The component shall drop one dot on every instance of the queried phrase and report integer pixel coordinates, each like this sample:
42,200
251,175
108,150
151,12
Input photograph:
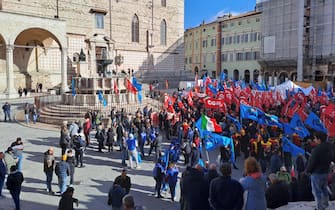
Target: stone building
50,41
298,40
230,44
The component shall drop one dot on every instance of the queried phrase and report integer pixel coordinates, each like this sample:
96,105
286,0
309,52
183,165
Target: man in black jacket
123,180
220,197
14,182
318,166
277,194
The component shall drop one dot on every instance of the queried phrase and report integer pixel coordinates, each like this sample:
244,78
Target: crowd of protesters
272,176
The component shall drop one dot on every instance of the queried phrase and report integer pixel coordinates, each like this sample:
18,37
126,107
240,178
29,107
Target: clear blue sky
198,10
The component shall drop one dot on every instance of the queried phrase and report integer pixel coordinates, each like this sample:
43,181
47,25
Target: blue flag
248,112
269,120
222,76
137,85
100,96
288,130
235,121
139,96
73,87
288,146
212,89
297,124
213,140
314,122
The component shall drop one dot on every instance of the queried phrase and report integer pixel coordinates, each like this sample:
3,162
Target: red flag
116,89
302,114
189,98
293,110
207,81
130,87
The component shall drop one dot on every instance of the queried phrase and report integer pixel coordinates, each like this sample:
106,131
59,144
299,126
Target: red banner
212,103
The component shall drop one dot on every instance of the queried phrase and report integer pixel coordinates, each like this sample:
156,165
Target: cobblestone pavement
92,182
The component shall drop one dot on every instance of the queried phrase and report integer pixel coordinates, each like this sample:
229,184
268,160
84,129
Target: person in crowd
34,113
255,183
87,129
318,165
17,147
275,162
304,188
67,200
278,193
193,189
100,136
172,178
158,174
156,145
300,164
115,195
10,159
3,172
132,151
65,139
123,180
211,174
48,168
79,146
73,128
27,113
120,134
219,197
128,203
6,111
284,175
62,170
14,183
195,155
71,162
110,139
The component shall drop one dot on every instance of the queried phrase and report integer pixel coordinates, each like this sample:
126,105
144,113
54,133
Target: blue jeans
2,181
7,115
26,116
62,181
19,163
319,189
49,180
35,118
123,155
16,197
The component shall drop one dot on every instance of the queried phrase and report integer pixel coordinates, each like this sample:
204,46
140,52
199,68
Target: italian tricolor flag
210,124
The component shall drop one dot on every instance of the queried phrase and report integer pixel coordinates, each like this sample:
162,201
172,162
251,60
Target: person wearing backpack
79,145
100,136
158,174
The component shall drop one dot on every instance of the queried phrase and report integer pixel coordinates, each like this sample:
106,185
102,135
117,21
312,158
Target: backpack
78,142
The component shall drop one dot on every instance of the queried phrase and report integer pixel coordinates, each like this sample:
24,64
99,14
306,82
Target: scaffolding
299,35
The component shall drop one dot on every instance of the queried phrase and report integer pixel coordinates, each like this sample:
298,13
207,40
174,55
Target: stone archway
3,76
196,70
236,75
255,75
247,76
37,59
282,77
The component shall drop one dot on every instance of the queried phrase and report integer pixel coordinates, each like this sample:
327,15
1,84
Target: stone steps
57,113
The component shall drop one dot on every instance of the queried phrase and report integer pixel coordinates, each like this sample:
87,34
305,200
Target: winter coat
62,169
14,181
221,198
193,190
277,195
115,195
255,187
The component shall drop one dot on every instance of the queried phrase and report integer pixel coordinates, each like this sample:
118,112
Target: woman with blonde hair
254,184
